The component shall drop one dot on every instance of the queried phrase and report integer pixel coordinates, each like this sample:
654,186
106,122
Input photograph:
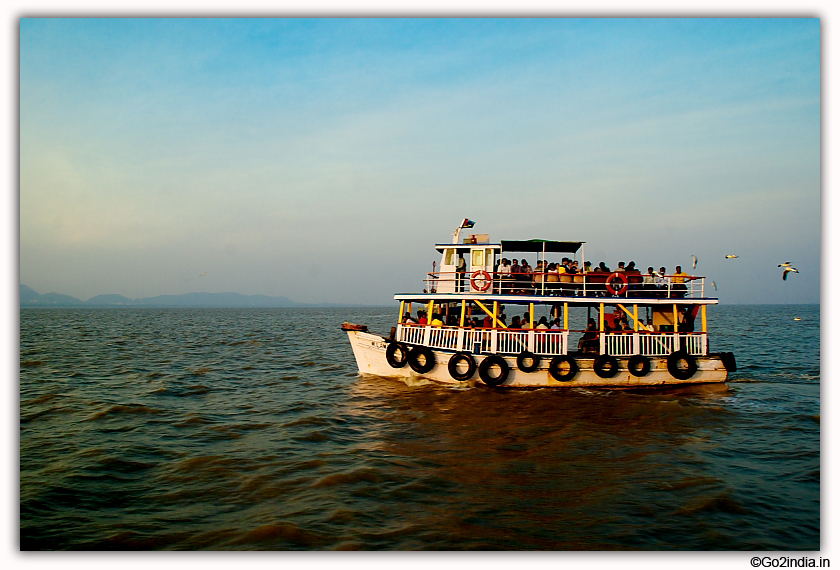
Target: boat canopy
540,245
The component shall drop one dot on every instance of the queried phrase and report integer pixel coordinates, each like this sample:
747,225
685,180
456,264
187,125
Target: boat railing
502,341
653,343
637,285
549,342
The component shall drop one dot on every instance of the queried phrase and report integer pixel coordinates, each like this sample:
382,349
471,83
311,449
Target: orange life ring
624,282
483,274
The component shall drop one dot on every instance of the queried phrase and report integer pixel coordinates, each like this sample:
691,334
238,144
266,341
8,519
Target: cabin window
448,257
478,258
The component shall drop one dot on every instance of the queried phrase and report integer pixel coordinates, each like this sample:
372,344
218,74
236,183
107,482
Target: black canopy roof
539,245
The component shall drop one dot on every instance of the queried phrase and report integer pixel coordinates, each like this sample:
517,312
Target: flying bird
730,256
202,274
789,270
714,285
785,264
694,261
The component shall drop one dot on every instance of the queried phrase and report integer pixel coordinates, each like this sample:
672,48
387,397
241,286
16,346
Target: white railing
550,342
511,342
653,344
444,338
587,285
485,340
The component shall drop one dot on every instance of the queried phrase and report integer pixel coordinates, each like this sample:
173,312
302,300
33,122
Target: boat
579,327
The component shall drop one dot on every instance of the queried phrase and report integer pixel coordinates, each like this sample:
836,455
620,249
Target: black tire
639,365
453,366
728,360
606,366
484,370
675,359
525,355
391,354
557,374
414,359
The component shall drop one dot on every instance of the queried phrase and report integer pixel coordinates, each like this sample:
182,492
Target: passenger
542,324
649,282
631,266
556,325
587,267
663,282
514,322
476,324
516,274
452,320
422,320
461,274
539,276
552,278
503,319
526,321
620,268
589,341
436,320
527,275
504,276
408,320
488,322
686,321
678,289
602,267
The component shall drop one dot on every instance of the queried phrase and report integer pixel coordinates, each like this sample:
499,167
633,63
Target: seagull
694,260
714,285
796,319
789,270
730,256
785,264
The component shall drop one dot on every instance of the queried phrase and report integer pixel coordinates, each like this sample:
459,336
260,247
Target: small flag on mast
467,223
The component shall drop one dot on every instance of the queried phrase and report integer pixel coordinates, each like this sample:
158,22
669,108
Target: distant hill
31,298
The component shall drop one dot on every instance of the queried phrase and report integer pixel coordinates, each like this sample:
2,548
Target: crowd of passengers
518,278
615,322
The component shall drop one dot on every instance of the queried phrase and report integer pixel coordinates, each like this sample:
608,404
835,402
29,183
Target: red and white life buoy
480,274
621,277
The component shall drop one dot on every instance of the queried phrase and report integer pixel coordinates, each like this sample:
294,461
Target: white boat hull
369,350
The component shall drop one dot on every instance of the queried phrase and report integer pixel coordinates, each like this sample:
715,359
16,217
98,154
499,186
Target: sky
322,159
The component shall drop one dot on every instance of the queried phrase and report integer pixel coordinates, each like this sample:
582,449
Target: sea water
189,429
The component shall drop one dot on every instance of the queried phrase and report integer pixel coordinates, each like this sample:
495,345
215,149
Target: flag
467,223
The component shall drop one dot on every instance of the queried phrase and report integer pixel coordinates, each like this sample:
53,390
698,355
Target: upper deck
472,270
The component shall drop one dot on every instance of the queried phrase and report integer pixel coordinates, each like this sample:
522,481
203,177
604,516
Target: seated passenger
620,268
542,324
514,322
589,341
408,320
422,320
436,320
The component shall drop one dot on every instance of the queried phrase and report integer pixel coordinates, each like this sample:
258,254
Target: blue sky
321,159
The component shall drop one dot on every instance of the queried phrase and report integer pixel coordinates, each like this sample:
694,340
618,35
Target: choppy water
250,429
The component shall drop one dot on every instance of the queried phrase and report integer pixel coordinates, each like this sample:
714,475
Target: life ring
728,360
677,371
639,365
525,355
391,354
484,275
621,277
557,362
606,366
414,359
453,366
484,370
